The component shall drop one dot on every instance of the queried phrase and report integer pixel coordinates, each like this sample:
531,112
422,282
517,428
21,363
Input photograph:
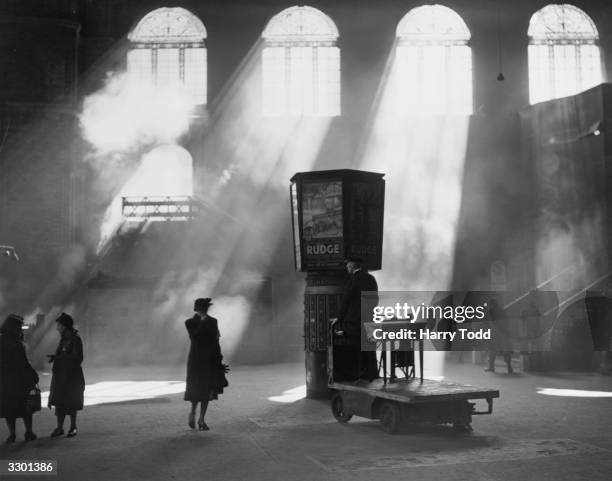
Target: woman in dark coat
205,370
68,382
17,377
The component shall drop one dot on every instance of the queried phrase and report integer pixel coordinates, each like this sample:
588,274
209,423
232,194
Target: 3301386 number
28,467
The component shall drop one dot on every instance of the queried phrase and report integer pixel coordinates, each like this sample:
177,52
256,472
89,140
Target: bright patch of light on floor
290,395
122,391
548,391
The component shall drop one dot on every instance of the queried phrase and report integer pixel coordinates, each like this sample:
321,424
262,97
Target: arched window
564,56
168,50
433,63
301,64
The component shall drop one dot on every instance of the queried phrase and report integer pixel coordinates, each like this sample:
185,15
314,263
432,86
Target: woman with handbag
205,370
67,382
17,378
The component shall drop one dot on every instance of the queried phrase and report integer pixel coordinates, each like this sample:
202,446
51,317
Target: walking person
205,370
17,378
67,382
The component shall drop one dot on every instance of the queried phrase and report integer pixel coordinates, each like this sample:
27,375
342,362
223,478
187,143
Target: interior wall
51,202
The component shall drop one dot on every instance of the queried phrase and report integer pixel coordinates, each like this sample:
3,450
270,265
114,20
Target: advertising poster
322,223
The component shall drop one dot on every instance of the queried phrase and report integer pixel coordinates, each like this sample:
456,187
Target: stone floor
544,426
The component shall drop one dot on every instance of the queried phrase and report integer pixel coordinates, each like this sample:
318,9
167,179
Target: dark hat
65,320
12,324
202,304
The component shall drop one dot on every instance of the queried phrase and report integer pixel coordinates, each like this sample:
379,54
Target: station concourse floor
262,429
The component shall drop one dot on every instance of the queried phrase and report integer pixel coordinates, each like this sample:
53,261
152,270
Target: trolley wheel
337,407
390,417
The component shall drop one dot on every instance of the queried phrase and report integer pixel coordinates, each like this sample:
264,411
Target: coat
17,377
349,314
204,365
68,382
350,361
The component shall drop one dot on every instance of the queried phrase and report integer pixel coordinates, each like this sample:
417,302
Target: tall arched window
301,64
168,50
433,63
564,56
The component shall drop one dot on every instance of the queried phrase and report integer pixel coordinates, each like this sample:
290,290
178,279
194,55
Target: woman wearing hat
67,383
17,377
204,365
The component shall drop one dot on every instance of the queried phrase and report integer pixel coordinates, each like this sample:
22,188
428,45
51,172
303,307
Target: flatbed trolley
404,400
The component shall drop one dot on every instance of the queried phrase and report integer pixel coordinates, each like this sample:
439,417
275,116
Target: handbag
33,400
223,370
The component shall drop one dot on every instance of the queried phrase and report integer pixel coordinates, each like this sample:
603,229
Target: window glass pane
433,63
460,63
140,65
300,64
329,80
590,66
168,73
301,86
195,74
540,69
564,58
274,80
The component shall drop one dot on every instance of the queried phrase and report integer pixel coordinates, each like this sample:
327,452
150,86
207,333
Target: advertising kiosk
336,214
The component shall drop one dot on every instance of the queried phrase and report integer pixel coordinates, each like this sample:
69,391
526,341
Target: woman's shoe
30,436
72,432
202,426
191,421
11,439
57,432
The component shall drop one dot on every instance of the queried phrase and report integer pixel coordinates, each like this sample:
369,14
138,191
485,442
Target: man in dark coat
205,370
351,362
500,342
17,377
67,382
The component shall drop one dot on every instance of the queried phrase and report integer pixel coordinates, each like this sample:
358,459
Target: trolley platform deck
416,391
411,398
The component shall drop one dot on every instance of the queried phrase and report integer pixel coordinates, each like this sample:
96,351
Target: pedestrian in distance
67,383
205,368
18,379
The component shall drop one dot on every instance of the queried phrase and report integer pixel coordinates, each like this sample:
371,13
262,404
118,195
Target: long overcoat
68,382
350,361
17,377
204,364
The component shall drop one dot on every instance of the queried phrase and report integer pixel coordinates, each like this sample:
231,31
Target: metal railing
169,208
